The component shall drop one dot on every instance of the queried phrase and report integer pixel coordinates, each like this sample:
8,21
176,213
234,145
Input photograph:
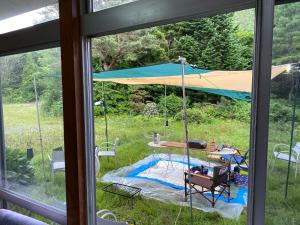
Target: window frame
123,18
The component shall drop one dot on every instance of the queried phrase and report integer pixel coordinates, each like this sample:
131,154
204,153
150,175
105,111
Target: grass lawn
134,133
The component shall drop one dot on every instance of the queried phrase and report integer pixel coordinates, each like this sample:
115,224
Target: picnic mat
161,177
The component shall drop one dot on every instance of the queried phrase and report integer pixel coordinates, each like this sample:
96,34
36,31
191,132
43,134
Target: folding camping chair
218,184
238,159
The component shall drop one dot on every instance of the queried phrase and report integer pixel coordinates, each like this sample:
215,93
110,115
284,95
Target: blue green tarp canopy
233,84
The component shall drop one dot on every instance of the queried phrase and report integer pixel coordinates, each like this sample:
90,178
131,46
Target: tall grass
134,133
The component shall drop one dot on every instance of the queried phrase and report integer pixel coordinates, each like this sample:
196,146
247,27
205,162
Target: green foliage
195,115
286,47
137,99
52,104
173,103
130,49
227,109
209,43
116,97
234,110
18,73
19,168
245,20
281,111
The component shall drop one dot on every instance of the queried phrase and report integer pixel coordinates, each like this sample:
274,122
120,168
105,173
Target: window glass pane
15,21
283,181
105,4
33,125
138,110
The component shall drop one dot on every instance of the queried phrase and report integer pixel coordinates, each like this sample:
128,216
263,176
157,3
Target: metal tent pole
296,86
105,114
166,112
39,123
184,119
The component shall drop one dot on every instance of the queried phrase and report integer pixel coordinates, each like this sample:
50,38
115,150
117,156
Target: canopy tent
234,84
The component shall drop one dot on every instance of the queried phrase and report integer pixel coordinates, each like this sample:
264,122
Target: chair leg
185,189
273,164
213,198
296,169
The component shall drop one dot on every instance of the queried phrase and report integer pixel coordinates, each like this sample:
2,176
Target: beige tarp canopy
226,80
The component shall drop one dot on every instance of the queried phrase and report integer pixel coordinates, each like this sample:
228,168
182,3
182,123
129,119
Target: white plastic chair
105,217
284,155
108,149
57,160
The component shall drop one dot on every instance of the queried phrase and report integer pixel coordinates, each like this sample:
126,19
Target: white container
156,138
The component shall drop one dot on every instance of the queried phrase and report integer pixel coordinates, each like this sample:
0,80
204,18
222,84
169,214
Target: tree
286,38
47,13
209,42
130,49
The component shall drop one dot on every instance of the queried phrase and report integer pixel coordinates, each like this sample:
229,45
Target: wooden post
73,102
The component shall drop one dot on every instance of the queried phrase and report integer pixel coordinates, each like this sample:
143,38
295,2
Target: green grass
134,133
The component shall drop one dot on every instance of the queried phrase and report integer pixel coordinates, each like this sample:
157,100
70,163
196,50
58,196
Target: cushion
8,217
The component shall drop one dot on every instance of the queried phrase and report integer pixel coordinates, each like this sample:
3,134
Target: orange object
212,145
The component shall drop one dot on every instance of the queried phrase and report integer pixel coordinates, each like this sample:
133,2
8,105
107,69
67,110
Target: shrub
19,168
234,110
174,104
52,104
228,109
281,111
150,109
195,115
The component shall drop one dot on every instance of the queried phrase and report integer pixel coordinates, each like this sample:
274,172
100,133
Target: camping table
174,144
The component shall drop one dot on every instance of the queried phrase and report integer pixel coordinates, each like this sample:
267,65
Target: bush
234,110
281,111
19,168
195,115
150,109
52,104
174,104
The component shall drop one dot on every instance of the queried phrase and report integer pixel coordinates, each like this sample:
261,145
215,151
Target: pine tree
209,42
286,42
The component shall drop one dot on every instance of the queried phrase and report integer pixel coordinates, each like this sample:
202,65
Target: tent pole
105,114
184,118
39,123
166,112
296,86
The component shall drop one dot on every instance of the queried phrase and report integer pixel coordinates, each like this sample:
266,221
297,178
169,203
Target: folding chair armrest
98,213
278,145
105,213
104,148
284,152
198,175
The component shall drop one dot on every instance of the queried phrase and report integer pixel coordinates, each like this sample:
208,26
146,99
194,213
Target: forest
223,42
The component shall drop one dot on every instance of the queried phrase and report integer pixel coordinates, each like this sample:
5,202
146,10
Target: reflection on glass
33,125
105,4
28,19
138,110
25,212
284,148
